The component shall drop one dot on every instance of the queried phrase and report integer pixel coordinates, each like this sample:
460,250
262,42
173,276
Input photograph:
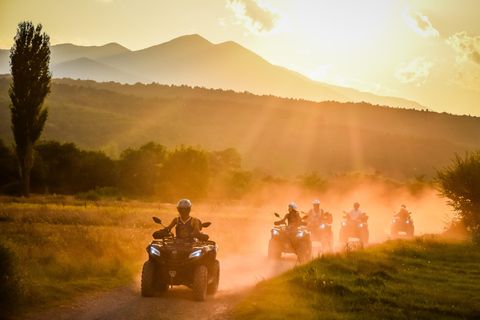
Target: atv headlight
195,254
322,226
361,225
343,223
275,232
300,234
408,221
155,251
393,220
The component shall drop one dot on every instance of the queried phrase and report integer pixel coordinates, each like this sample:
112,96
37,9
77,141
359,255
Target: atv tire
162,285
213,287
364,235
200,278
325,241
411,231
148,279
274,252
393,231
303,252
342,236
330,240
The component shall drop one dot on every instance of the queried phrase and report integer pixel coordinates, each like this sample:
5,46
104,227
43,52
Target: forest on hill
275,136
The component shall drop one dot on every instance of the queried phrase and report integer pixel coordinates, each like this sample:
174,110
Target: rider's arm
196,225
172,224
310,215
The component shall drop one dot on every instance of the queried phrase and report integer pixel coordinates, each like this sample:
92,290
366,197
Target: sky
422,50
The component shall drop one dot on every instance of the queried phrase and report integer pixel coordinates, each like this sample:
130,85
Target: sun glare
347,23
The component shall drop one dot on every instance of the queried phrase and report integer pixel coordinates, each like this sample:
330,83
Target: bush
14,289
98,194
460,183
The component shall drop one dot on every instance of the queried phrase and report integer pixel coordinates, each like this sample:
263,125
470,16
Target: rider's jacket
314,215
355,214
184,230
403,214
293,218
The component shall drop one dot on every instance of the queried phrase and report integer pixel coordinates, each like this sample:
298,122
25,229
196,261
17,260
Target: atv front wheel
364,235
302,252
325,241
330,240
162,285
342,236
393,231
148,279
200,278
411,231
213,287
274,252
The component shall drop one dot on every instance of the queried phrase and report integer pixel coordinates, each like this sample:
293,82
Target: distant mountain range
194,61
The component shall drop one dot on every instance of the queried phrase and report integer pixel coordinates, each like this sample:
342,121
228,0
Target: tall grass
420,279
64,246
55,249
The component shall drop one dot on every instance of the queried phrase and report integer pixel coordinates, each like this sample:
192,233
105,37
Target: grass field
55,248
424,278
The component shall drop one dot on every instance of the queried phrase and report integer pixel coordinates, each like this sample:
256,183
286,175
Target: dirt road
238,275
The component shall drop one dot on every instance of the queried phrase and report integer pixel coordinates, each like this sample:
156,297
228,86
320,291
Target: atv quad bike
321,230
173,261
290,239
402,224
354,229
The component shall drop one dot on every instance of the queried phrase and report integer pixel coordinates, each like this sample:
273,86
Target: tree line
152,170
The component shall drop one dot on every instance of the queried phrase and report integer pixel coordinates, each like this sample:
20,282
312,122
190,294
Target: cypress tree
29,63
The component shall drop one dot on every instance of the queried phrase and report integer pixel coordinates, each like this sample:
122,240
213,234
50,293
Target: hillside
86,69
275,135
425,278
194,61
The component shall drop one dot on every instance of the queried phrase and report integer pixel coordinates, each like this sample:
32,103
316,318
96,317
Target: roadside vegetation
426,278
55,248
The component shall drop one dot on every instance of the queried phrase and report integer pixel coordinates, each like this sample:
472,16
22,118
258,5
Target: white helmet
316,202
293,205
184,203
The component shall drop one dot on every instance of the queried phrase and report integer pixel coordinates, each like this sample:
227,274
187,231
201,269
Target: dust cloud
241,228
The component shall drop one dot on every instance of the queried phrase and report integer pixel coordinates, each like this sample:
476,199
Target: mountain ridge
193,60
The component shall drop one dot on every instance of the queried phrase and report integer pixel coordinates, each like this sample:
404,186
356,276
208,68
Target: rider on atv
293,216
187,227
320,224
316,213
403,213
355,213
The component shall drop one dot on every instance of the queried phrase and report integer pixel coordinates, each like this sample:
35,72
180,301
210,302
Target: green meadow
425,278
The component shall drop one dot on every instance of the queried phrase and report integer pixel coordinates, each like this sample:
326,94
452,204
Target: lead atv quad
173,262
354,229
290,239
